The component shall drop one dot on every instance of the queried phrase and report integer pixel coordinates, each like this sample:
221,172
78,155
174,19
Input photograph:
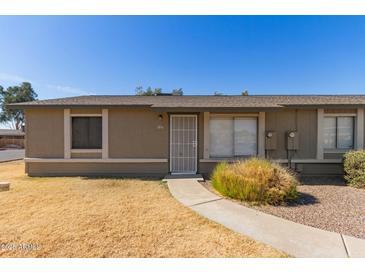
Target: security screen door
183,144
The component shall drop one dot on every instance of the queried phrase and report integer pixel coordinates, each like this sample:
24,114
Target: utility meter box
292,140
270,140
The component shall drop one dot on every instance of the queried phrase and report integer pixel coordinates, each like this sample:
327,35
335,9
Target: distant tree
244,93
139,90
156,91
15,94
148,92
218,93
178,92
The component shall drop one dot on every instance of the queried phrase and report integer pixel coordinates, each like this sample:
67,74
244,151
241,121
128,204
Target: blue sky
70,56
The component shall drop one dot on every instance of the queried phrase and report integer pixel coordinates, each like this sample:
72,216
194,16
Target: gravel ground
325,203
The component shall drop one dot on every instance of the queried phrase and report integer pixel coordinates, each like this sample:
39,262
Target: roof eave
214,109
59,106
306,106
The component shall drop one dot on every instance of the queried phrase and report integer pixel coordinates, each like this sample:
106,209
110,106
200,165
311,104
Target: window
221,137
233,136
338,132
86,133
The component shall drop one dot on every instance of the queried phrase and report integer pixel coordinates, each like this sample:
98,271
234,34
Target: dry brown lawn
91,217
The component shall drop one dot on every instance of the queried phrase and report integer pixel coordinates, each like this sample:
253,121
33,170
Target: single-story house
157,135
11,138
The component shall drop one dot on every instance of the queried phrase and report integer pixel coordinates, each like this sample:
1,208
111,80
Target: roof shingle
197,101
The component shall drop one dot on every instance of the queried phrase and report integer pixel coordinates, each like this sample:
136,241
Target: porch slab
188,191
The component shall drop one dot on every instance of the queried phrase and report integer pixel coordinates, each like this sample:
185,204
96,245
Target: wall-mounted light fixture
160,117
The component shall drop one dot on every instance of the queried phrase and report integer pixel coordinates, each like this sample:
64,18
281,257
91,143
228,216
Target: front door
183,144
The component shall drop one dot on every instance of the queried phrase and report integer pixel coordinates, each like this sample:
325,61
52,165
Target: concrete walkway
11,155
294,239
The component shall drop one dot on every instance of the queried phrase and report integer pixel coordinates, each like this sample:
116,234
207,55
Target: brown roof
201,102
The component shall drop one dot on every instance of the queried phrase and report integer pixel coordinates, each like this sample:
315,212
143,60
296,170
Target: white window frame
354,137
68,150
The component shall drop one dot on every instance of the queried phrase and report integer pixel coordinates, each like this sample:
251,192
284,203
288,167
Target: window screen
86,133
330,132
245,136
338,132
221,137
345,132
234,136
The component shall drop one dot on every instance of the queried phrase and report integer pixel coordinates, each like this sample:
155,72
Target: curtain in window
330,132
245,136
338,132
221,137
233,136
345,132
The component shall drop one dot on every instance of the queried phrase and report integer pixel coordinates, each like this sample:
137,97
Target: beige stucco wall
141,134
307,128
138,134
44,133
304,121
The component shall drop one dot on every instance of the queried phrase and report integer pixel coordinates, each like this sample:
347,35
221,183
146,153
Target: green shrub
255,180
354,167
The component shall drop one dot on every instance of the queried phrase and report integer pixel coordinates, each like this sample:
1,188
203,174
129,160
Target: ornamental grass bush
255,180
354,168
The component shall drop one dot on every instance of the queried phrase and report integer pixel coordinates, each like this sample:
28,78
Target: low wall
206,168
320,169
155,170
